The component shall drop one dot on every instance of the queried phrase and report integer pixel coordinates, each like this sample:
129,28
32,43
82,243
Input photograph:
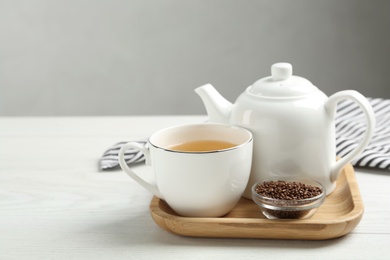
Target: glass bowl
277,200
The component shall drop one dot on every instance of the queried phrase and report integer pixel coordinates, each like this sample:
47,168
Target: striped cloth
110,160
350,127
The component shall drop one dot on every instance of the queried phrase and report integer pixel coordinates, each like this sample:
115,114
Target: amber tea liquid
202,146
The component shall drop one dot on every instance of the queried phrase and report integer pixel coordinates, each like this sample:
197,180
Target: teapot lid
282,83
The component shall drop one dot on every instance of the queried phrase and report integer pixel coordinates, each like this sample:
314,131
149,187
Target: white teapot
292,123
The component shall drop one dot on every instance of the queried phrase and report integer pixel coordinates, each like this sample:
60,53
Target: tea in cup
201,170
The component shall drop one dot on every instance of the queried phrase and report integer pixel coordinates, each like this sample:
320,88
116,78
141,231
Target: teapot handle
331,104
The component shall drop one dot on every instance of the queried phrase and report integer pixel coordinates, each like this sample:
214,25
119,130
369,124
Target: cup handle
370,119
152,188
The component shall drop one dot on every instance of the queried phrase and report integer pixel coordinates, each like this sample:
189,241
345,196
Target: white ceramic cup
196,184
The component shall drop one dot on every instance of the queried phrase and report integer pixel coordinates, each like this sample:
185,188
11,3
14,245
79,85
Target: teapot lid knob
282,84
281,71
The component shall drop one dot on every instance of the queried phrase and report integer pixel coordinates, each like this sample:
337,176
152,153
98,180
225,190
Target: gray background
112,57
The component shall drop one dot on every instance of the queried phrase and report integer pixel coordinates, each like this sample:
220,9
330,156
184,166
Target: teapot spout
217,107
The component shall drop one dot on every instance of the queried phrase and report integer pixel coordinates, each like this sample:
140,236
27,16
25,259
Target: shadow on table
367,170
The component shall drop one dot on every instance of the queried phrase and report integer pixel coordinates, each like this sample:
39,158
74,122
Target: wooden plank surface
55,204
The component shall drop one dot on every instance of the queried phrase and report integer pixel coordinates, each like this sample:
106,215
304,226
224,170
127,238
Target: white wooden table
56,204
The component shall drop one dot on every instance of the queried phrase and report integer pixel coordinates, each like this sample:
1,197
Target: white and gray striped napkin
110,160
350,127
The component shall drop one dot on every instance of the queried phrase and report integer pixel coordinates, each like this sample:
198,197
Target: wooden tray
340,214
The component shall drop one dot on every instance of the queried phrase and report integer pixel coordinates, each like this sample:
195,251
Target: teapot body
293,126
292,137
